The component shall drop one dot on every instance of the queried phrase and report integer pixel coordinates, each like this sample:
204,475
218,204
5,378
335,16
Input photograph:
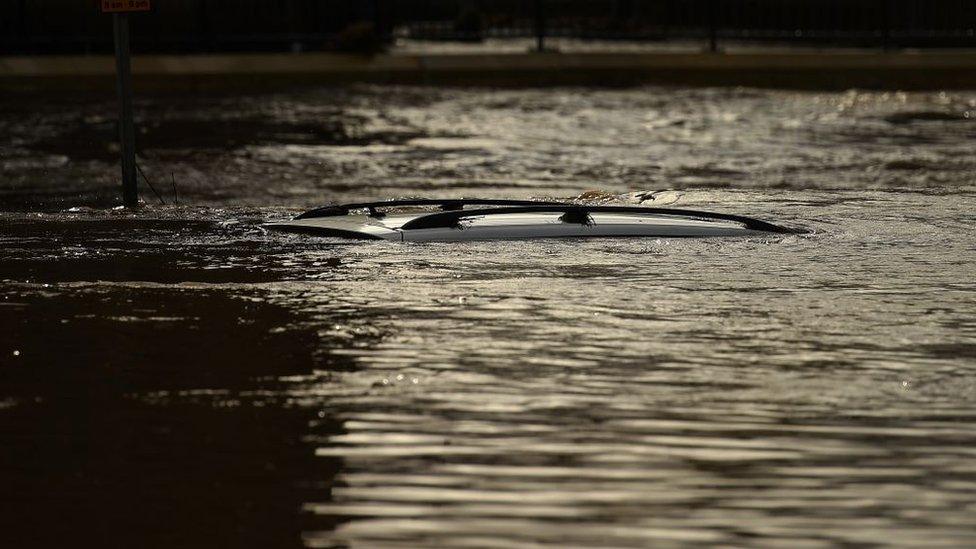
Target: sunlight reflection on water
809,390
801,389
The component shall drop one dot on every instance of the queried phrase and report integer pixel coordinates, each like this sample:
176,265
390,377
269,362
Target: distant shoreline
942,69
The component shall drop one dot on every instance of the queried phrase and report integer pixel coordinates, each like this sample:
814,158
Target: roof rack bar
452,218
446,204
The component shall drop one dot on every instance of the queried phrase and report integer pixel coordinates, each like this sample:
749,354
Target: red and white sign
124,6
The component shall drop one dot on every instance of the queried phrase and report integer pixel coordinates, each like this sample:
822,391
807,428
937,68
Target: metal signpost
120,10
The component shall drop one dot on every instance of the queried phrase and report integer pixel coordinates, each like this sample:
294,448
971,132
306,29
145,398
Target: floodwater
177,377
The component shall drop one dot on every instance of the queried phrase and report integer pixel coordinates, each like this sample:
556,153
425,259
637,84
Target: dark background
187,26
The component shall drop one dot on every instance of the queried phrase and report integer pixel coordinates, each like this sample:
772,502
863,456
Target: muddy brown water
177,377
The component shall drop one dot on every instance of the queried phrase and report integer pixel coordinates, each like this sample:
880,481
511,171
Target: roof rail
579,213
447,204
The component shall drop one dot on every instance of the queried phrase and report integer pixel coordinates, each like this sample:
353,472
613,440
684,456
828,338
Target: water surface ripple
178,377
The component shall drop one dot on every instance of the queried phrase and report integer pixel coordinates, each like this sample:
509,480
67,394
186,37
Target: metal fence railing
73,26
864,23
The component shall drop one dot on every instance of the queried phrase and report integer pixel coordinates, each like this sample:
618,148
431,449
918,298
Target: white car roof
516,219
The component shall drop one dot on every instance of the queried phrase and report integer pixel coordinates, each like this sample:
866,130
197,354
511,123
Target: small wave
910,117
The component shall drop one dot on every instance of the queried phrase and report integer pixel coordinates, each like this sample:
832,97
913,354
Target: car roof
496,218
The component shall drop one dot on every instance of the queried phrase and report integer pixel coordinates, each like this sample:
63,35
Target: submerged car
486,219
